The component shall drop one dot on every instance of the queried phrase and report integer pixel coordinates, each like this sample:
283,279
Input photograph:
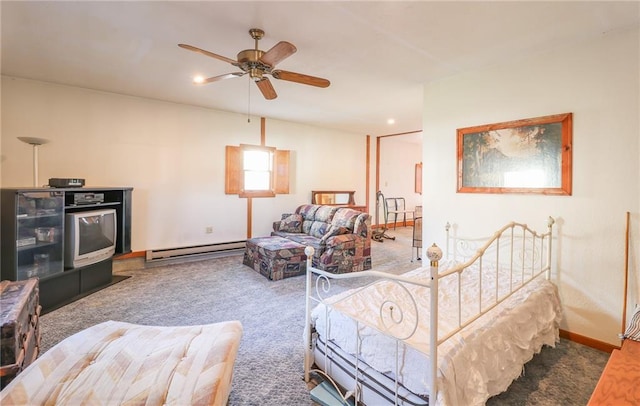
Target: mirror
333,197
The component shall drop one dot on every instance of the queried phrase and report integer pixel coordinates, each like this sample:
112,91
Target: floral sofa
339,235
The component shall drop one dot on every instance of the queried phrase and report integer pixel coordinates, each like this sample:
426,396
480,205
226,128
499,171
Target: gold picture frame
524,156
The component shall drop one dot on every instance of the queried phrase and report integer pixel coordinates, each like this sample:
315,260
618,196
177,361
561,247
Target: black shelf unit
32,239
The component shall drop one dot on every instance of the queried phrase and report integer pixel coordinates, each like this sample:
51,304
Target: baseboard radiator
196,252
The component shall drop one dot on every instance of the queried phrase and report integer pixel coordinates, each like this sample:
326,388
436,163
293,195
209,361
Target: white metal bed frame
538,253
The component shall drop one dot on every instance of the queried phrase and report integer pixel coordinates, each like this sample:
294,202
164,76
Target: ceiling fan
258,63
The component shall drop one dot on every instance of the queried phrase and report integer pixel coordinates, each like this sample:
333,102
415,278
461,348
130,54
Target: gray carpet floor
269,368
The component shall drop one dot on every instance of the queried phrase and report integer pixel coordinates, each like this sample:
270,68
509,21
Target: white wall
597,81
398,157
171,154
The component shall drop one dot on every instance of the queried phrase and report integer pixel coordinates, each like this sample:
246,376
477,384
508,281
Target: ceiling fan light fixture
198,79
256,74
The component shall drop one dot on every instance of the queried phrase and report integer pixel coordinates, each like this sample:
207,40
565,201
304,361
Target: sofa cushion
308,211
305,240
291,224
346,218
318,229
325,213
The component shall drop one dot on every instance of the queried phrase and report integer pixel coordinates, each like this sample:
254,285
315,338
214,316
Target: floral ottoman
275,257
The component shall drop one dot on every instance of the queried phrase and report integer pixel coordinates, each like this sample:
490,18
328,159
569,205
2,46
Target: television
90,237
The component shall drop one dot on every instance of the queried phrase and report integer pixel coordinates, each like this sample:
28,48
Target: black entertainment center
36,238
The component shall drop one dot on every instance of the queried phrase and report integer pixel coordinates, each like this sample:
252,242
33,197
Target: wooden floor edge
390,226
589,342
132,254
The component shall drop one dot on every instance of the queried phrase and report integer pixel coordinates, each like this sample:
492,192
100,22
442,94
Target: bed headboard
518,244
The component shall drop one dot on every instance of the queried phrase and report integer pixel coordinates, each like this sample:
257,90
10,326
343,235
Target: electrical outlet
208,230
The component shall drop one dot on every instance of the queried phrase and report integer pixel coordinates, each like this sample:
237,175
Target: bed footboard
426,316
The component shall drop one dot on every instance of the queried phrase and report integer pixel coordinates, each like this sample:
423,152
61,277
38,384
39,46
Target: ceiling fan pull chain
249,101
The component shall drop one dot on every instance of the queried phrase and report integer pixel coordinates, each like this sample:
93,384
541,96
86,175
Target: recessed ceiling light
198,79
391,121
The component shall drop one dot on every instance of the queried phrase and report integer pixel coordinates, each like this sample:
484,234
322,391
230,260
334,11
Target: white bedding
118,363
476,363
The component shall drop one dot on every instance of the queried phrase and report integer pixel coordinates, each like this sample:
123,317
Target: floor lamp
35,142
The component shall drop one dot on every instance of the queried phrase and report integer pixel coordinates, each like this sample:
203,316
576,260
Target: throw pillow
633,328
291,224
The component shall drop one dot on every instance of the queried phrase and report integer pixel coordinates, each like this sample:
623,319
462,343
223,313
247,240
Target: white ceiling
377,55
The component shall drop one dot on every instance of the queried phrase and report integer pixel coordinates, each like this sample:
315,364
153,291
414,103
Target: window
256,171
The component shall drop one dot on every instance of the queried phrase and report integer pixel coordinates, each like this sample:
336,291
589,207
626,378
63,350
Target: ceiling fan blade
220,77
207,53
277,53
266,88
300,78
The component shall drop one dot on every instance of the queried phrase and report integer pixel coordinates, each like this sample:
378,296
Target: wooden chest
19,328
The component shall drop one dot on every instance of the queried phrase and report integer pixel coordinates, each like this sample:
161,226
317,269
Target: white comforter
476,363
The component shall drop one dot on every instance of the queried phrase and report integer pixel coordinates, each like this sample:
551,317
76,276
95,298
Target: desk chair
396,207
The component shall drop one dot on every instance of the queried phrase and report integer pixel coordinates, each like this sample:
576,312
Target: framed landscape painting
524,156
